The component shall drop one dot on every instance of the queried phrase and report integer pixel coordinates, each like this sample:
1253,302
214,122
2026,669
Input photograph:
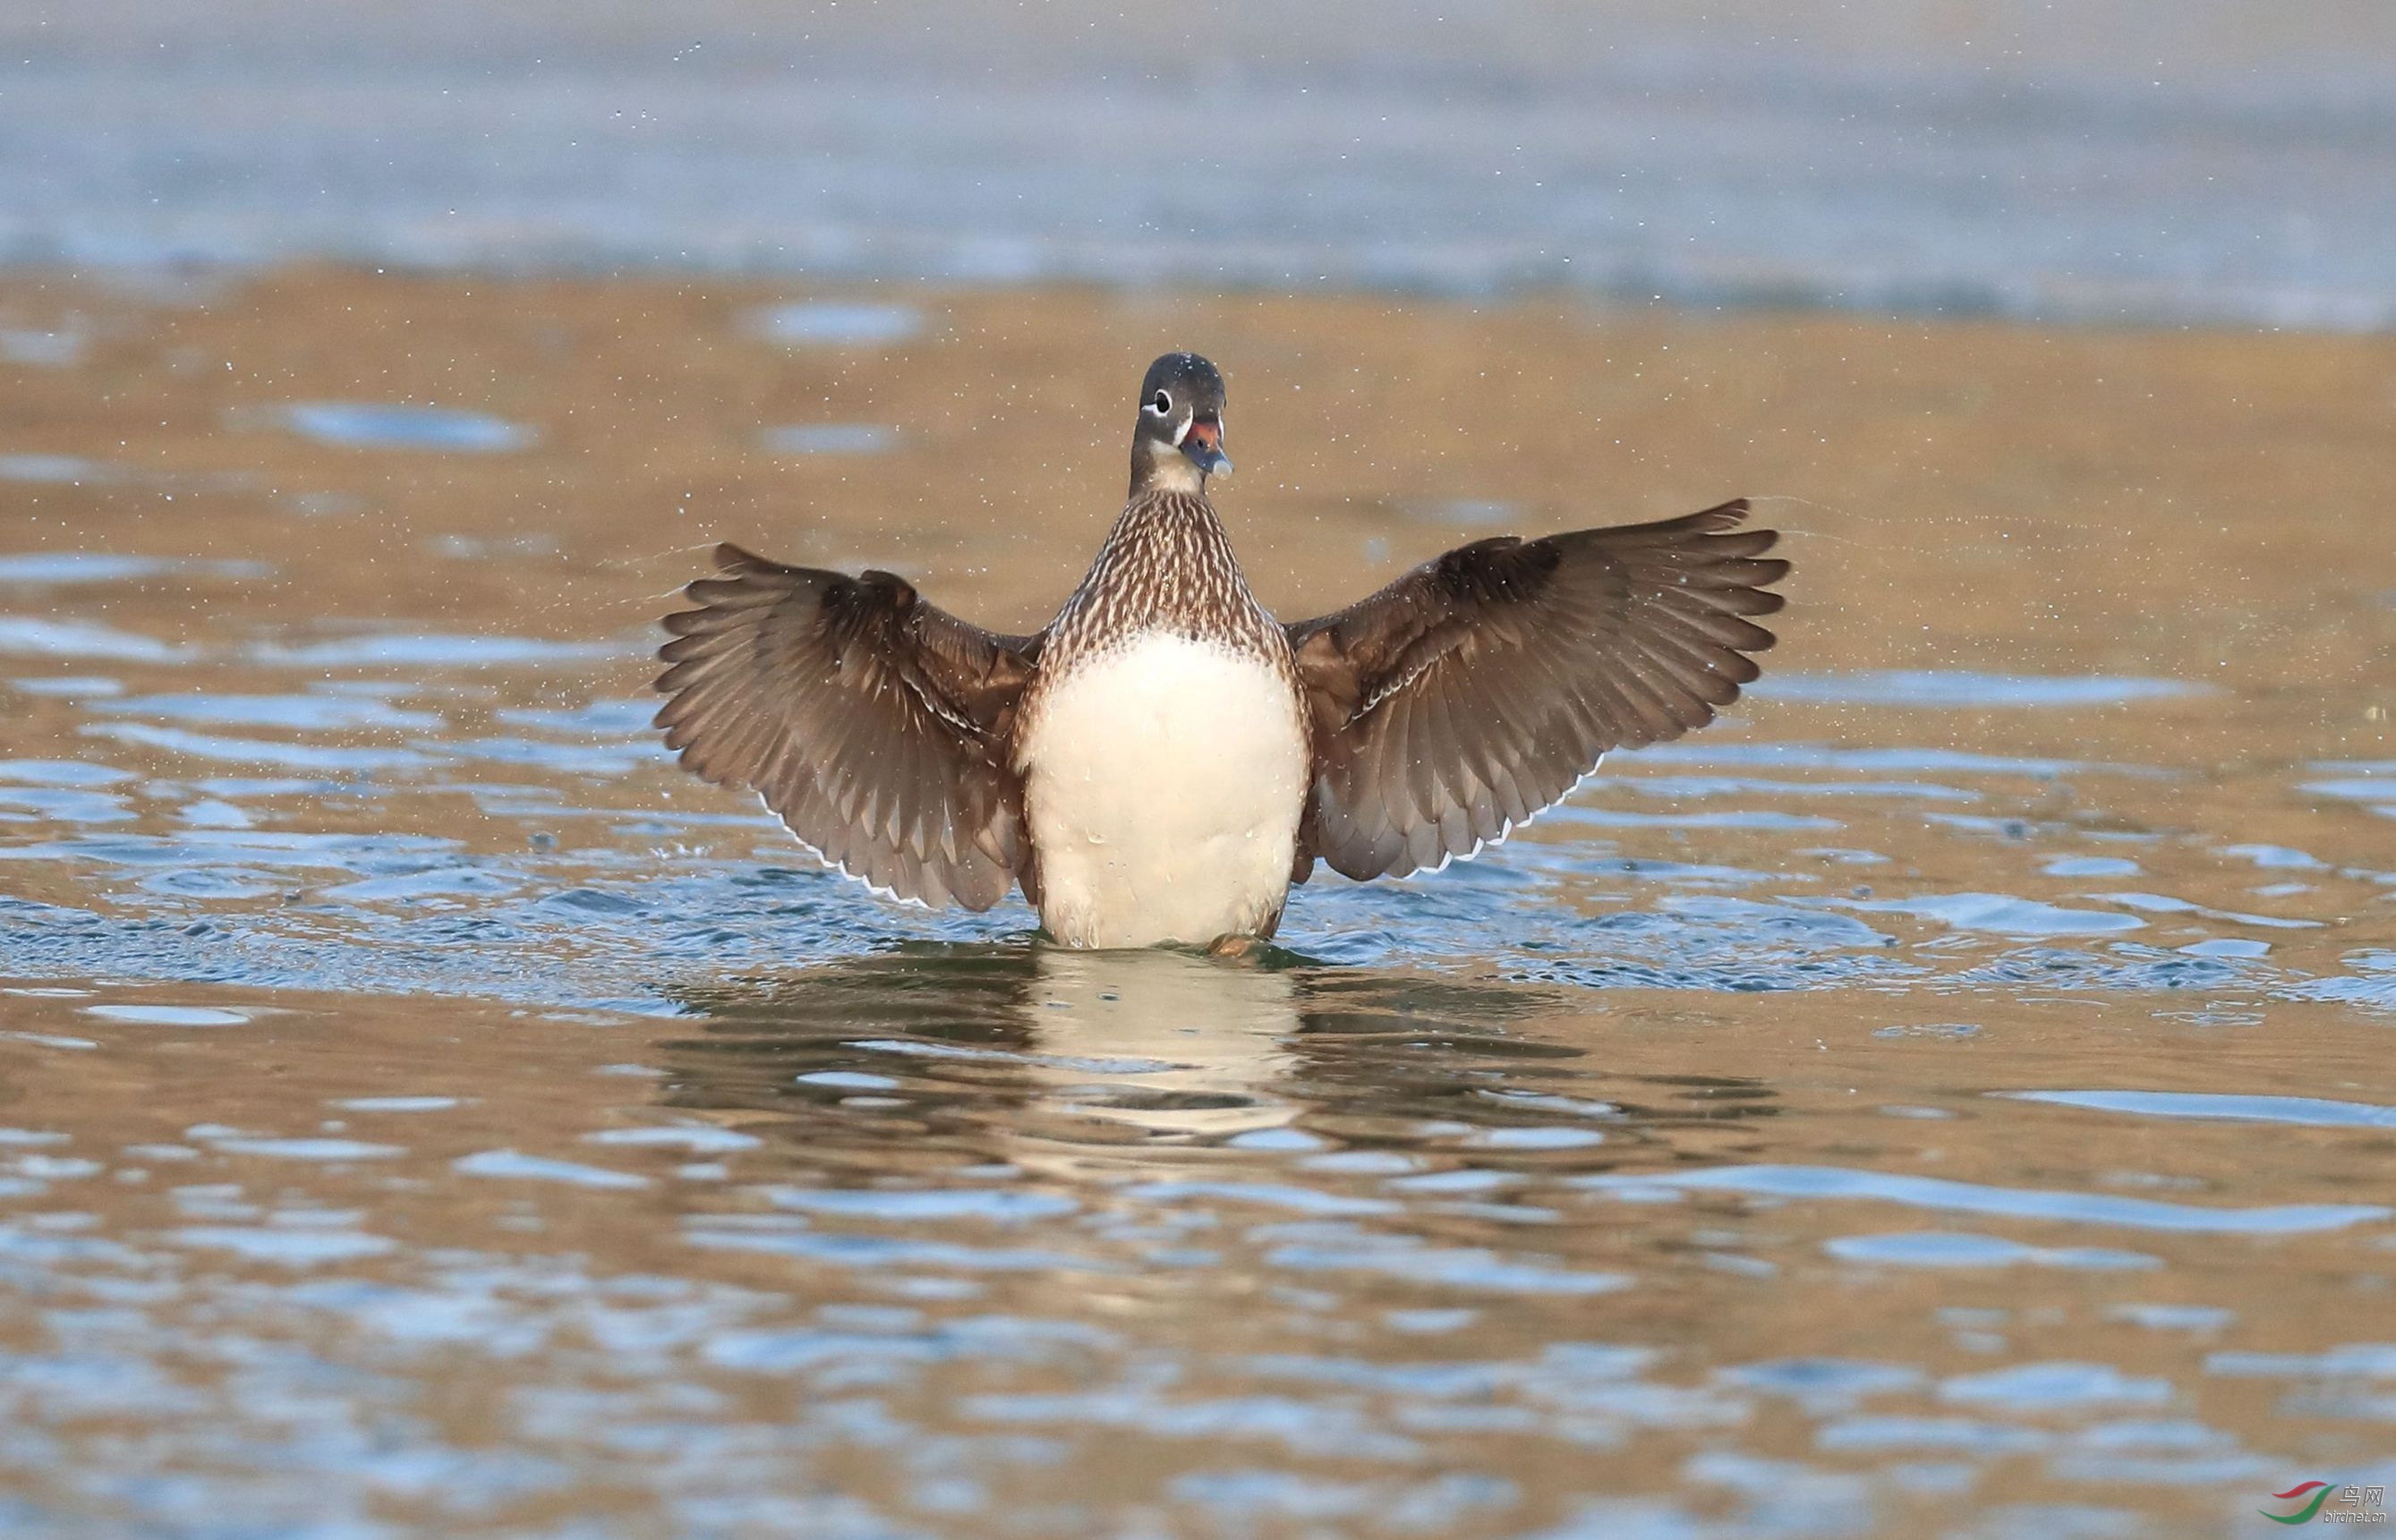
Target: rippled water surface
1954,1096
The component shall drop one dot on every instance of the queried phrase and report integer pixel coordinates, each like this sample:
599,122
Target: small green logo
2305,1499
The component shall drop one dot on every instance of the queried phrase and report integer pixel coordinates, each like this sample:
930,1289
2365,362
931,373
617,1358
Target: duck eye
1160,403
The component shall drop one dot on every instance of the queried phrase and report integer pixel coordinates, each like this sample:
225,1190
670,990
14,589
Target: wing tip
1723,518
1714,528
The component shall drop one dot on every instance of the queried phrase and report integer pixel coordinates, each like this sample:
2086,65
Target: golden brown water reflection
1951,1098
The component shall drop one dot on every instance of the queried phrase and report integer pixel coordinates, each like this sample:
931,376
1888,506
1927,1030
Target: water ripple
2308,1111
1931,1192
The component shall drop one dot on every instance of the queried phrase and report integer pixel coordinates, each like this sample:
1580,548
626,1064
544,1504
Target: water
358,425
1950,1097
1987,157
980,1284
826,438
830,324
1963,689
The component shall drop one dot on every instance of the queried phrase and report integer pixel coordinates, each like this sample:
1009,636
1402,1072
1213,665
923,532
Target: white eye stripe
1159,403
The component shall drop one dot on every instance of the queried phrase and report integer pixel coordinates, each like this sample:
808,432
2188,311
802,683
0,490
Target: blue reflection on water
1931,1192
2310,1111
364,425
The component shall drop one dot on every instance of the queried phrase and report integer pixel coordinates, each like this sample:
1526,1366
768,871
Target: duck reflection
1163,1042
1098,1065
1065,1062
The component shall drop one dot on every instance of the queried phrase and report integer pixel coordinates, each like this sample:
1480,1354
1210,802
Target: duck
1164,760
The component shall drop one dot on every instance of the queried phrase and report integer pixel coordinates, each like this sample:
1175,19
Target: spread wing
874,723
1481,686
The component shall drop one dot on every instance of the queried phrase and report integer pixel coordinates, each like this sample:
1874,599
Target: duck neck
1167,563
1159,466
1168,525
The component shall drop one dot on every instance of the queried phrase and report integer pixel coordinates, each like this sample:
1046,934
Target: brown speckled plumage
1168,565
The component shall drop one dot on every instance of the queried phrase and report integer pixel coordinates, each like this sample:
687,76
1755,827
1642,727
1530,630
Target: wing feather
873,724
1481,686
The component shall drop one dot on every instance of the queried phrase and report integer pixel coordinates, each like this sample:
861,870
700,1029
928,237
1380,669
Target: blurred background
1947,1096
2089,164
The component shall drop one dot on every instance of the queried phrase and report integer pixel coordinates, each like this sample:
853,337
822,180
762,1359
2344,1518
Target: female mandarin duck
1165,759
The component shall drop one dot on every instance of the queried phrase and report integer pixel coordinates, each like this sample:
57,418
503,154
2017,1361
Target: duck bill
1203,444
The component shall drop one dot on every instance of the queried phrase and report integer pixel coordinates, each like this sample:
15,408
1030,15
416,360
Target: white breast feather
1163,782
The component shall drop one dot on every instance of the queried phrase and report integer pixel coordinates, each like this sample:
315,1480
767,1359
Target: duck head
1178,439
